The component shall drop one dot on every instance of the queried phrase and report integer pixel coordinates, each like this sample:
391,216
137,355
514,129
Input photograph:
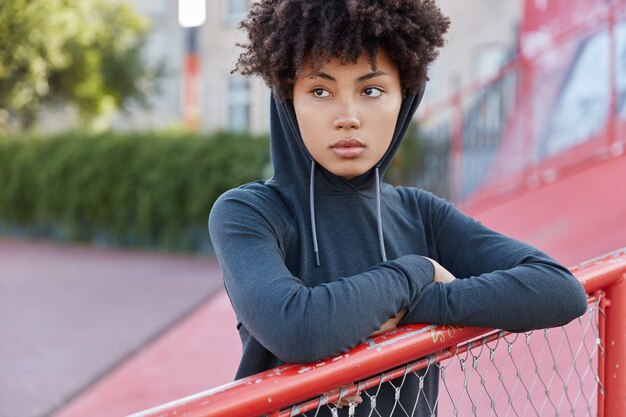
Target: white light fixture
191,13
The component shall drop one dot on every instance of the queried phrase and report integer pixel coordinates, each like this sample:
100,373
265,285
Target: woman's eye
372,92
320,92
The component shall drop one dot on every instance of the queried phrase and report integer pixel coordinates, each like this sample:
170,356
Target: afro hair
282,34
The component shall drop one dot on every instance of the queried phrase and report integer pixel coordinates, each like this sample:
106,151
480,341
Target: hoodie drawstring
312,210
379,221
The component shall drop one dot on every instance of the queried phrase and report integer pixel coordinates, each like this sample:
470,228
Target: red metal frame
268,392
559,202
601,354
603,146
615,350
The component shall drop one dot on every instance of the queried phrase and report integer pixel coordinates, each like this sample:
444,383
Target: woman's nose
347,117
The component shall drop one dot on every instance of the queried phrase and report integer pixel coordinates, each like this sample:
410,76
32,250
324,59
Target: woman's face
347,113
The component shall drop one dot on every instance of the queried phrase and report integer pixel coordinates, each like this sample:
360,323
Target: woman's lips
348,148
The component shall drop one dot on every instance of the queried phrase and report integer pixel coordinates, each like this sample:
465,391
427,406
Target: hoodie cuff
419,272
429,307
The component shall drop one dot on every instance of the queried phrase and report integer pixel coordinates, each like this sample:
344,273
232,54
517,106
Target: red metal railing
275,392
496,128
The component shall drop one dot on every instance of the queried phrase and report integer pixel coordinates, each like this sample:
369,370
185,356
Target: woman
325,254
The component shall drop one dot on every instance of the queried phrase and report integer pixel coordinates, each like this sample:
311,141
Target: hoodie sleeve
295,322
501,282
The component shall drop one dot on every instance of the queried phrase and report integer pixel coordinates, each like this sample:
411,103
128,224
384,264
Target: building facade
165,45
482,35
228,101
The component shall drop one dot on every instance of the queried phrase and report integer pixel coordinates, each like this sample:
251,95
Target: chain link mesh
552,372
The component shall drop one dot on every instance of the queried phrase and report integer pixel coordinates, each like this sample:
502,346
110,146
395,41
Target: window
238,103
234,10
583,105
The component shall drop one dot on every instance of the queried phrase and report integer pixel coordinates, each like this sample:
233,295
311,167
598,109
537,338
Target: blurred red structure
538,151
191,80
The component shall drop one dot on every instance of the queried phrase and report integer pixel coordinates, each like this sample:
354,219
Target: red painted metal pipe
615,348
601,353
601,272
289,384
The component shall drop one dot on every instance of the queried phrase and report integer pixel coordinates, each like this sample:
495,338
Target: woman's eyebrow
368,76
320,74
371,75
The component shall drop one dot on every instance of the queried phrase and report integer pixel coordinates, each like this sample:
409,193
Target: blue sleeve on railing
503,283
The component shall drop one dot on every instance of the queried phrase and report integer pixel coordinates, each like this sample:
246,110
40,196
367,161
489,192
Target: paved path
74,320
199,353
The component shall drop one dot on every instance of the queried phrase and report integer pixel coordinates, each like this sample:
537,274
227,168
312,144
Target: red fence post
615,347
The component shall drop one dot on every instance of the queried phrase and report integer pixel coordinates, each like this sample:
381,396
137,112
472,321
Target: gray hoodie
314,264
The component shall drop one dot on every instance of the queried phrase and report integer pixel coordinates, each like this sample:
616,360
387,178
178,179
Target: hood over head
291,160
295,167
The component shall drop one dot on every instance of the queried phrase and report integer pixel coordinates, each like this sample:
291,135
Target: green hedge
150,190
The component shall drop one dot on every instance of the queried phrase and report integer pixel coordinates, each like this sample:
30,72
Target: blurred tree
86,53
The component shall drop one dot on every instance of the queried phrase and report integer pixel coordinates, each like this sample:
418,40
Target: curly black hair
283,33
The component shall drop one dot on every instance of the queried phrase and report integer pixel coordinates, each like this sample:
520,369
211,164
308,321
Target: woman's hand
392,323
441,274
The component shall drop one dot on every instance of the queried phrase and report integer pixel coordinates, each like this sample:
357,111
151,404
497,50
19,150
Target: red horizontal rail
292,383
